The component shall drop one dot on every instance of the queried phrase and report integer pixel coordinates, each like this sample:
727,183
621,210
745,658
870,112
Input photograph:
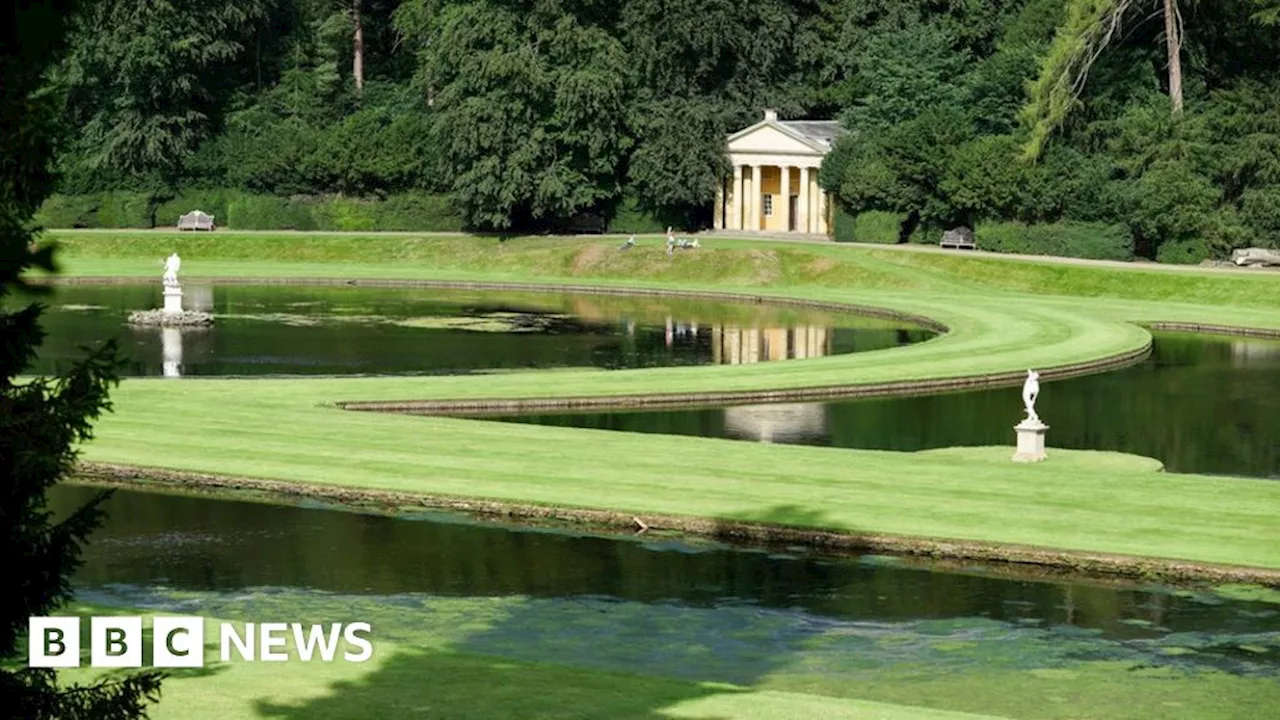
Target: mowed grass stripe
1003,316
855,491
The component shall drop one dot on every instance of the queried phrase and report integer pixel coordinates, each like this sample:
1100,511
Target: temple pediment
767,137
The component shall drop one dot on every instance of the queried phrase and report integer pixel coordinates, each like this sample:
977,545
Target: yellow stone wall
771,184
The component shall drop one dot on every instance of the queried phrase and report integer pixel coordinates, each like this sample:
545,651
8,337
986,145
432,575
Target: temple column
754,205
785,192
735,201
815,191
802,205
717,212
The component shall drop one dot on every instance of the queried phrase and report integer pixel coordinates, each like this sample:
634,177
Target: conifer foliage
41,419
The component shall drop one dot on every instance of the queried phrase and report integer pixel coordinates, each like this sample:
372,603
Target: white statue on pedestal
172,314
172,290
1030,431
1030,391
171,267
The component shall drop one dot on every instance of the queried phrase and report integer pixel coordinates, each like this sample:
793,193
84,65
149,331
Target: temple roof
815,135
819,131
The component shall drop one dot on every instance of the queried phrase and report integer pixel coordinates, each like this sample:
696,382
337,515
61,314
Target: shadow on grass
440,685
793,516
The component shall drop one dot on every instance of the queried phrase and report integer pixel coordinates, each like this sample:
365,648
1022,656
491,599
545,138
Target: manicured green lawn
1003,317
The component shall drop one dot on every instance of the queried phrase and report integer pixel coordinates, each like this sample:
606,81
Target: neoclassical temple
774,186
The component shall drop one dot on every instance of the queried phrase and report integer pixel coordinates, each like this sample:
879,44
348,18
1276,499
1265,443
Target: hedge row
867,227
243,211
106,210
421,212
1095,241
416,212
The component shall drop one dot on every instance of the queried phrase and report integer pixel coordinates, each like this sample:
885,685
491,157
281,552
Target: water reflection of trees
295,330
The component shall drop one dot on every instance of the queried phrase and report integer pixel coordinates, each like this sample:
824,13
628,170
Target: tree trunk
357,56
1173,41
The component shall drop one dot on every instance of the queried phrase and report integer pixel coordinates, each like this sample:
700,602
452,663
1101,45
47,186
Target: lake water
868,627
297,330
1199,403
667,607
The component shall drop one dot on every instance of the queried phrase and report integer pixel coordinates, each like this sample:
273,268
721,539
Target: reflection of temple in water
788,422
1254,352
732,345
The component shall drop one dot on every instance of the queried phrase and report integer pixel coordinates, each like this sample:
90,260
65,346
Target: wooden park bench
195,220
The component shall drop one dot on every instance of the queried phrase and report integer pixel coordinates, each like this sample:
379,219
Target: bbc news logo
178,642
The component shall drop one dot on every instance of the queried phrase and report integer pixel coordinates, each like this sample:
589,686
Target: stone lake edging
1266,333
1104,565
462,408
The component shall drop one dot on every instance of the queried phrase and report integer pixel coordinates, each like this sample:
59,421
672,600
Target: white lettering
179,642
53,642
268,639
316,637
115,642
353,638
243,645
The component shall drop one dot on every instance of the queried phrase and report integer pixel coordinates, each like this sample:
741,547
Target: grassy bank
1003,317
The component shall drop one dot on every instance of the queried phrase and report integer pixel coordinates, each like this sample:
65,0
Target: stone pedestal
1030,441
172,299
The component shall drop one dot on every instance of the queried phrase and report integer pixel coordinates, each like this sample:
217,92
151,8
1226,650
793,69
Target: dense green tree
142,77
902,168
905,73
41,419
530,108
1091,26
679,157
532,112
924,139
